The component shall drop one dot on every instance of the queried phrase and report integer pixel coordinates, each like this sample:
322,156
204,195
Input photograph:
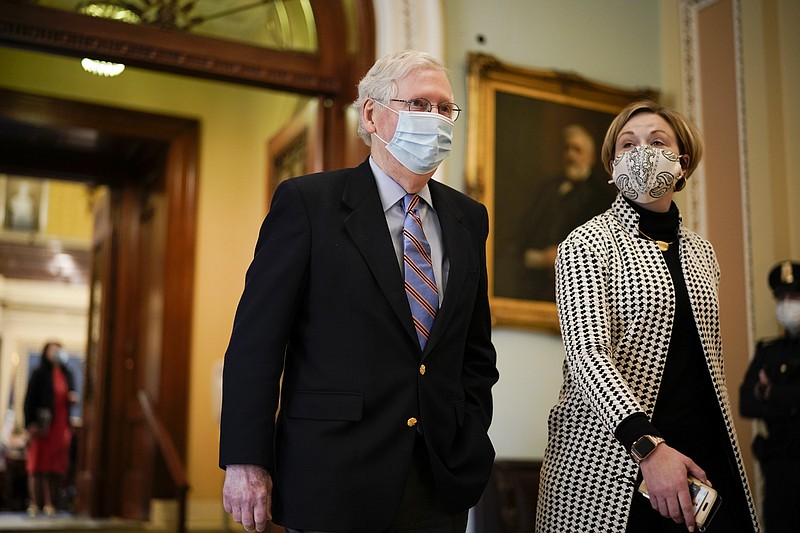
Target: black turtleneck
686,396
687,413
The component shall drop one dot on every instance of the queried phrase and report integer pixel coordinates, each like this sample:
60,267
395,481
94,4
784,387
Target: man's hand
247,495
665,472
540,257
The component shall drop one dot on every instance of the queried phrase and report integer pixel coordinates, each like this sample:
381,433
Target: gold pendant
663,246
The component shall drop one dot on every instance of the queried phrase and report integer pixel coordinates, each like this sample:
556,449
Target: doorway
182,74
141,279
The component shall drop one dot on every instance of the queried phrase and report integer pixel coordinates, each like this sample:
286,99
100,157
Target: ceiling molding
49,30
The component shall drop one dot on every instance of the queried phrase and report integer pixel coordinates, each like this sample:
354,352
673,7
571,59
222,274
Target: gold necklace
662,245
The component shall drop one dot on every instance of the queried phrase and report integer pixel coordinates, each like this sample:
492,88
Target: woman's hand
665,472
33,430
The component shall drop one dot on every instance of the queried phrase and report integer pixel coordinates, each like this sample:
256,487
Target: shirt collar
390,191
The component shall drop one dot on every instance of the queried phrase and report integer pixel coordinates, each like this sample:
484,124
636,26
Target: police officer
771,392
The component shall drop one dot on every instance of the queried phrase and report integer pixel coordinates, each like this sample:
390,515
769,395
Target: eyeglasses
448,109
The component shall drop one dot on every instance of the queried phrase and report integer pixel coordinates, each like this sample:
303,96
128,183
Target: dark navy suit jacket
324,325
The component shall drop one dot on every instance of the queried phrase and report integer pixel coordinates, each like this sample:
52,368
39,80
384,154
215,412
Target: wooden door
145,271
89,470
126,332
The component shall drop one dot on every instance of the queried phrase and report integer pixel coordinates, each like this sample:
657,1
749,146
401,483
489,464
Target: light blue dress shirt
392,194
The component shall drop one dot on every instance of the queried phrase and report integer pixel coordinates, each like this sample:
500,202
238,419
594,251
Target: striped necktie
423,296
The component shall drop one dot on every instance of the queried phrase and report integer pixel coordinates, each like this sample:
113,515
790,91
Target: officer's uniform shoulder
769,342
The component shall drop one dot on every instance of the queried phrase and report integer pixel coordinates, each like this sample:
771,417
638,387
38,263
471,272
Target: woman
51,390
644,393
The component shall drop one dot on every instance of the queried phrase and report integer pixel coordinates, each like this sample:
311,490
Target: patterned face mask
645,174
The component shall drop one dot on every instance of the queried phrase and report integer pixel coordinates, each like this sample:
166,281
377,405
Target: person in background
365,317
644,394
771,392
561,204
51,391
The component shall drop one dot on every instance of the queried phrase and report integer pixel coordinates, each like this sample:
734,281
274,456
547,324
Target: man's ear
367,113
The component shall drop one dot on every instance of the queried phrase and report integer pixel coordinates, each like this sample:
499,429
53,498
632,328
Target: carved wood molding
43,29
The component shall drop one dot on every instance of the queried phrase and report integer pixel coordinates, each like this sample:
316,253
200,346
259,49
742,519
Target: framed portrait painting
23,204
534,140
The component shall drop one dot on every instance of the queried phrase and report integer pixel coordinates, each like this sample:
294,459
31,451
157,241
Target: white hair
379,83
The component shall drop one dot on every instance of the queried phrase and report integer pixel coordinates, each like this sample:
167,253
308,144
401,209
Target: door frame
331,73
171,160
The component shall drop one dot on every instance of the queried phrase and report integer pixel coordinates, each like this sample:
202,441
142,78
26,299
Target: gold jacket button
412,422
422,370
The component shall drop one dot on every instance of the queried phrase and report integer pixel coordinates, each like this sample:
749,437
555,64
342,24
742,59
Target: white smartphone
705,499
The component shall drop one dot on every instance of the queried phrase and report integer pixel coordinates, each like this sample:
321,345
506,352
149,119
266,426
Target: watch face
643,447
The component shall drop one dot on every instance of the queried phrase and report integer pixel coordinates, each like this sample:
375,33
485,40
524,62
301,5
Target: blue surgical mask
421,140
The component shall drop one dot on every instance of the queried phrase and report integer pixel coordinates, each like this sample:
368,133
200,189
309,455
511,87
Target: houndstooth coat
616,307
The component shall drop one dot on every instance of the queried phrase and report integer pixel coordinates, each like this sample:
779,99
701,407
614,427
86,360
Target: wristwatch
644,446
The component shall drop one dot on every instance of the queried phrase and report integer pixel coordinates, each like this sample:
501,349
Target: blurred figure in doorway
51,391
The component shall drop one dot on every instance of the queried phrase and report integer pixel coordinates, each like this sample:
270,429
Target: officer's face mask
788,314
421,139
645,173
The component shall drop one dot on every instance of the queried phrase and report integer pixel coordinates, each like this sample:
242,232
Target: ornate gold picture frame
518,117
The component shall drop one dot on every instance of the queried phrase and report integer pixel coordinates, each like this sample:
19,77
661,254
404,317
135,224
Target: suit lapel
366,225
456,243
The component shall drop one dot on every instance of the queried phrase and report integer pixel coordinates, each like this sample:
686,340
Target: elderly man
365,325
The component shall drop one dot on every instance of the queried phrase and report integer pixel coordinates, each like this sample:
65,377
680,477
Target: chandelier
166,14
120,11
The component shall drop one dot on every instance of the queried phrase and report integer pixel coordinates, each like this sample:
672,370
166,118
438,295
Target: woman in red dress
51,390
